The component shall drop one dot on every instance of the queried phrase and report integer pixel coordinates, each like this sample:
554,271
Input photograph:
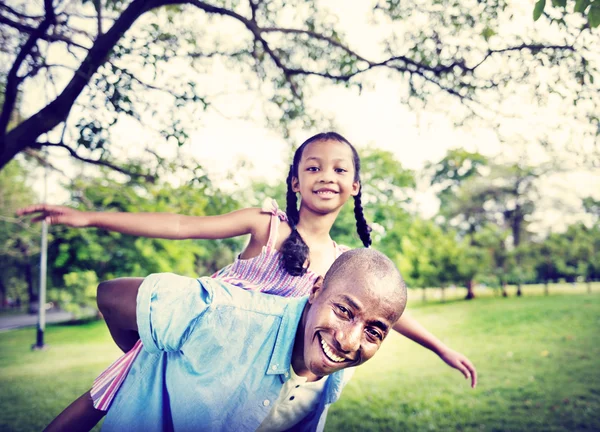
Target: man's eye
374,334
343,310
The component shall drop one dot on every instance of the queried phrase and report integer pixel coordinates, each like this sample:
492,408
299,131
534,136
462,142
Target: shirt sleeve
168,307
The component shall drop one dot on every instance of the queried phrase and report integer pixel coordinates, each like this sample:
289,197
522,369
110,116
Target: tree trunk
470,292
504,293
589,287
443,294
546,292
424,298
519,292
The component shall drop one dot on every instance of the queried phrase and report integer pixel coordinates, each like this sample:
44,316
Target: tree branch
47,37
147,177
18,14
12,79
26,133
98,6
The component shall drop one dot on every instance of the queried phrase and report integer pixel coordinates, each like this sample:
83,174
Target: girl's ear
355,188
316,290
295,184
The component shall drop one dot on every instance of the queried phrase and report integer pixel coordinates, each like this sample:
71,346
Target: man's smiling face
347,320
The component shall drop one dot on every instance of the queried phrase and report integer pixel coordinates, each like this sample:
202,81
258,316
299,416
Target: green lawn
537,359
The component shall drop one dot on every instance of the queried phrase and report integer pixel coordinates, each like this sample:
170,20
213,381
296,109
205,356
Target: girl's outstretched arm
409,327
155,225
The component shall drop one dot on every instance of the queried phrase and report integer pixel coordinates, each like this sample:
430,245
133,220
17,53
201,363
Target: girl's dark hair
294,251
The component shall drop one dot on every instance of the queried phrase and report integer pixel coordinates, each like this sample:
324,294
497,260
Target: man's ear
355,188
316,290
295,184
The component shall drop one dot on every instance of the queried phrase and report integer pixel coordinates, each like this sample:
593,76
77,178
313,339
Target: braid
291,207
362,227
294,251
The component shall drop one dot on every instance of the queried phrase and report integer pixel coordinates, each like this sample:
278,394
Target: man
220,358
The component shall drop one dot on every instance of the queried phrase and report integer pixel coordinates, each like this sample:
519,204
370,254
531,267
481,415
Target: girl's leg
80,416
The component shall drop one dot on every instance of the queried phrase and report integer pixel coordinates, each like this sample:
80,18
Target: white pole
39,344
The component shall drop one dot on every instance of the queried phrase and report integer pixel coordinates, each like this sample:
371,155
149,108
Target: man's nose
349,337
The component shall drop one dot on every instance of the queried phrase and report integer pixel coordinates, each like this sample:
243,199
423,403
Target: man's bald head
368,265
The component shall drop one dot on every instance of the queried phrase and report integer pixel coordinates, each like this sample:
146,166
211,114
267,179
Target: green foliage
587,8
19,242
77,294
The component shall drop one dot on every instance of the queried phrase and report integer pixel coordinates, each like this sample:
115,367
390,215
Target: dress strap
340,249
269,205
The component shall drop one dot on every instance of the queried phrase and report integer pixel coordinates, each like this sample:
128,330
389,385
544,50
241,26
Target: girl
280,259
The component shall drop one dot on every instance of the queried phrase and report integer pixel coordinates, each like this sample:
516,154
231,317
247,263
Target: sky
376,117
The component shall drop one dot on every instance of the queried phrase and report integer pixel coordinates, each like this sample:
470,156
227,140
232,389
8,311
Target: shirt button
274,367
266,402
298,386
293,397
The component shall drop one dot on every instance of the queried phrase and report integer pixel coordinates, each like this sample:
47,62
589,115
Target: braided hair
294,250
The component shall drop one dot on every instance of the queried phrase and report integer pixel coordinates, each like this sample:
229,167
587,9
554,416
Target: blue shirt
215,359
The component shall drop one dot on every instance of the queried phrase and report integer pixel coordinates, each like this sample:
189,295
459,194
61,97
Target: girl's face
326,176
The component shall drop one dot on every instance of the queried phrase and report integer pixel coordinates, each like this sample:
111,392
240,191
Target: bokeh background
477,123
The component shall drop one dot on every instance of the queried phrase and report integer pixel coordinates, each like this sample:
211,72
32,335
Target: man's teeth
330,354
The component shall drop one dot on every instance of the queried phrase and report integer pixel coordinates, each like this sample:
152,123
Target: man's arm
117,302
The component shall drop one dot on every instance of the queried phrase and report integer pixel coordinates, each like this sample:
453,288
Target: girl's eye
341,170
312,169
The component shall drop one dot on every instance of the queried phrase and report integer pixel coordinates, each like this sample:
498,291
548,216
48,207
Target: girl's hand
458,361
54,214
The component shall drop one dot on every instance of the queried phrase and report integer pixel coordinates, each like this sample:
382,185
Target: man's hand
56,215
458,361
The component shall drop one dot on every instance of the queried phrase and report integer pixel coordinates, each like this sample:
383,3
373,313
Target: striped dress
263,273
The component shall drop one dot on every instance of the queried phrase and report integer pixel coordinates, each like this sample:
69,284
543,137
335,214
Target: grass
37,385
537,359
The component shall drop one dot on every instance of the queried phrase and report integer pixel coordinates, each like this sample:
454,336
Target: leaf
559,3
539,8
581,5
487,33
594,15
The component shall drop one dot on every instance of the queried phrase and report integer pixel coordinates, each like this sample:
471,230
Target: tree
113,56
19,242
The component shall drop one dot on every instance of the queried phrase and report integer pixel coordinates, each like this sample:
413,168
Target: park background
477,124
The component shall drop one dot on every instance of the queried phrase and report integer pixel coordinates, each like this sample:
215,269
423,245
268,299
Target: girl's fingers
472,372
36,208
464,370
39,218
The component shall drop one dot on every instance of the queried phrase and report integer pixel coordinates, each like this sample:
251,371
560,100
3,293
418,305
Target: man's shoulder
226,294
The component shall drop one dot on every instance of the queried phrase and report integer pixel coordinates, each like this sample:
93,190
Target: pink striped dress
263,273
